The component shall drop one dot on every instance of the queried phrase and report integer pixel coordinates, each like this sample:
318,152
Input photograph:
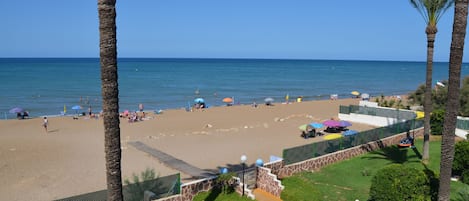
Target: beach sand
69,160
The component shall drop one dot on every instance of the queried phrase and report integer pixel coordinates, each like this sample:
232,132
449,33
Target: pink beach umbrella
331,123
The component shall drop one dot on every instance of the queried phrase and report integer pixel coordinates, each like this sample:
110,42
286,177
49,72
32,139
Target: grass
217,195
351,179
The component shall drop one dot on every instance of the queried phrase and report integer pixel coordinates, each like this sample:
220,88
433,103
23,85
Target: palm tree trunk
110,94
452,105
431,33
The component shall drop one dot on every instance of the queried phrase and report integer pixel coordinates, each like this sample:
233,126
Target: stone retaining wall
189,190
268,182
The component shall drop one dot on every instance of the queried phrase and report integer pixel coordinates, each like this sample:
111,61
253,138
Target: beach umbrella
303,127
355,93
268,100
16,110
199,100
76,107
365,96
344,123
316,125
331,123
227,100
350,132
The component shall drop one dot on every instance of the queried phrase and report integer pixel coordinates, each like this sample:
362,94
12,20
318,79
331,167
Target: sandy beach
68,160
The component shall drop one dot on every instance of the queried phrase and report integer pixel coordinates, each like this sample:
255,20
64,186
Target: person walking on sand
45,123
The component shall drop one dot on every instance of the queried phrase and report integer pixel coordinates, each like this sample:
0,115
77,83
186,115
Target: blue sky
301,29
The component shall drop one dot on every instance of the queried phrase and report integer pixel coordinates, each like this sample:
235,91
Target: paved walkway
171,161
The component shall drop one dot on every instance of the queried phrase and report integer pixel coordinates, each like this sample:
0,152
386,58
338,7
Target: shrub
463,194
461,160
398,182
225,182
436,122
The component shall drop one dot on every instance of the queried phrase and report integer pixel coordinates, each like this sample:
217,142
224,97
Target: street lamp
243,162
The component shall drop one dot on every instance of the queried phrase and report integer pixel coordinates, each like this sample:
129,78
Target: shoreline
7,116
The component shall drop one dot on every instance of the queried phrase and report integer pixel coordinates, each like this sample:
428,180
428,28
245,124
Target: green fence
305,152
162,187
373,111
462,124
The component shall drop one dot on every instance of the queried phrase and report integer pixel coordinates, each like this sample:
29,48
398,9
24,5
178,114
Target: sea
47,86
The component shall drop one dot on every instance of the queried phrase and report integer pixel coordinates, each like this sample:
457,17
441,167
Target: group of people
23,115
199,106
135,116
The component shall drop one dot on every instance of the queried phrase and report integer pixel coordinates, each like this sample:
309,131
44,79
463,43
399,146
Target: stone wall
319,162
189,190
275,166
268,182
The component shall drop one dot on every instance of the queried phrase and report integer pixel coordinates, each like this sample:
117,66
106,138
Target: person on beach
140,107
89,111
45,123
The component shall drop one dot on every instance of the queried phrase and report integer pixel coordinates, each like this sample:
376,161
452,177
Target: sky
270,29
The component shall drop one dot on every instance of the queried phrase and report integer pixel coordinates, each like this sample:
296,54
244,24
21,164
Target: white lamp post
243,163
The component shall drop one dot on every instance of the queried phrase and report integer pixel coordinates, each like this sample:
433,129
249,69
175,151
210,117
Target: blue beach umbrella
199,100
76,108
316,125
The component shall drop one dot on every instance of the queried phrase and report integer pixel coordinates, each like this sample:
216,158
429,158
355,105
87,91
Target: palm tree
431,11
452,105
110,94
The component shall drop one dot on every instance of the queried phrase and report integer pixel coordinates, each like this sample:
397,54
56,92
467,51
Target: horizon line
220,58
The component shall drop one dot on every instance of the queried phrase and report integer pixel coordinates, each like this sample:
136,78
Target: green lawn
351,179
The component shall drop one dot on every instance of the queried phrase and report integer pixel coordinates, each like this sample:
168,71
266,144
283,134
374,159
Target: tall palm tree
110,94
431,11
452,105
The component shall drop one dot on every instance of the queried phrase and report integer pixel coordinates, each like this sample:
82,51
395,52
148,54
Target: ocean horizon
43,86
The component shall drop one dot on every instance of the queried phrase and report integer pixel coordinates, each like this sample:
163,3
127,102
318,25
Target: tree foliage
398,182
461,160
436,121
439,97
464,98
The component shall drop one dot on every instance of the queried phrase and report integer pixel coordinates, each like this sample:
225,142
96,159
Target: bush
436,122
225,182
463,194
398,182
461,160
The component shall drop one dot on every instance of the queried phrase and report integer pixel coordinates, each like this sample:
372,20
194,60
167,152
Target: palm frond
432,10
